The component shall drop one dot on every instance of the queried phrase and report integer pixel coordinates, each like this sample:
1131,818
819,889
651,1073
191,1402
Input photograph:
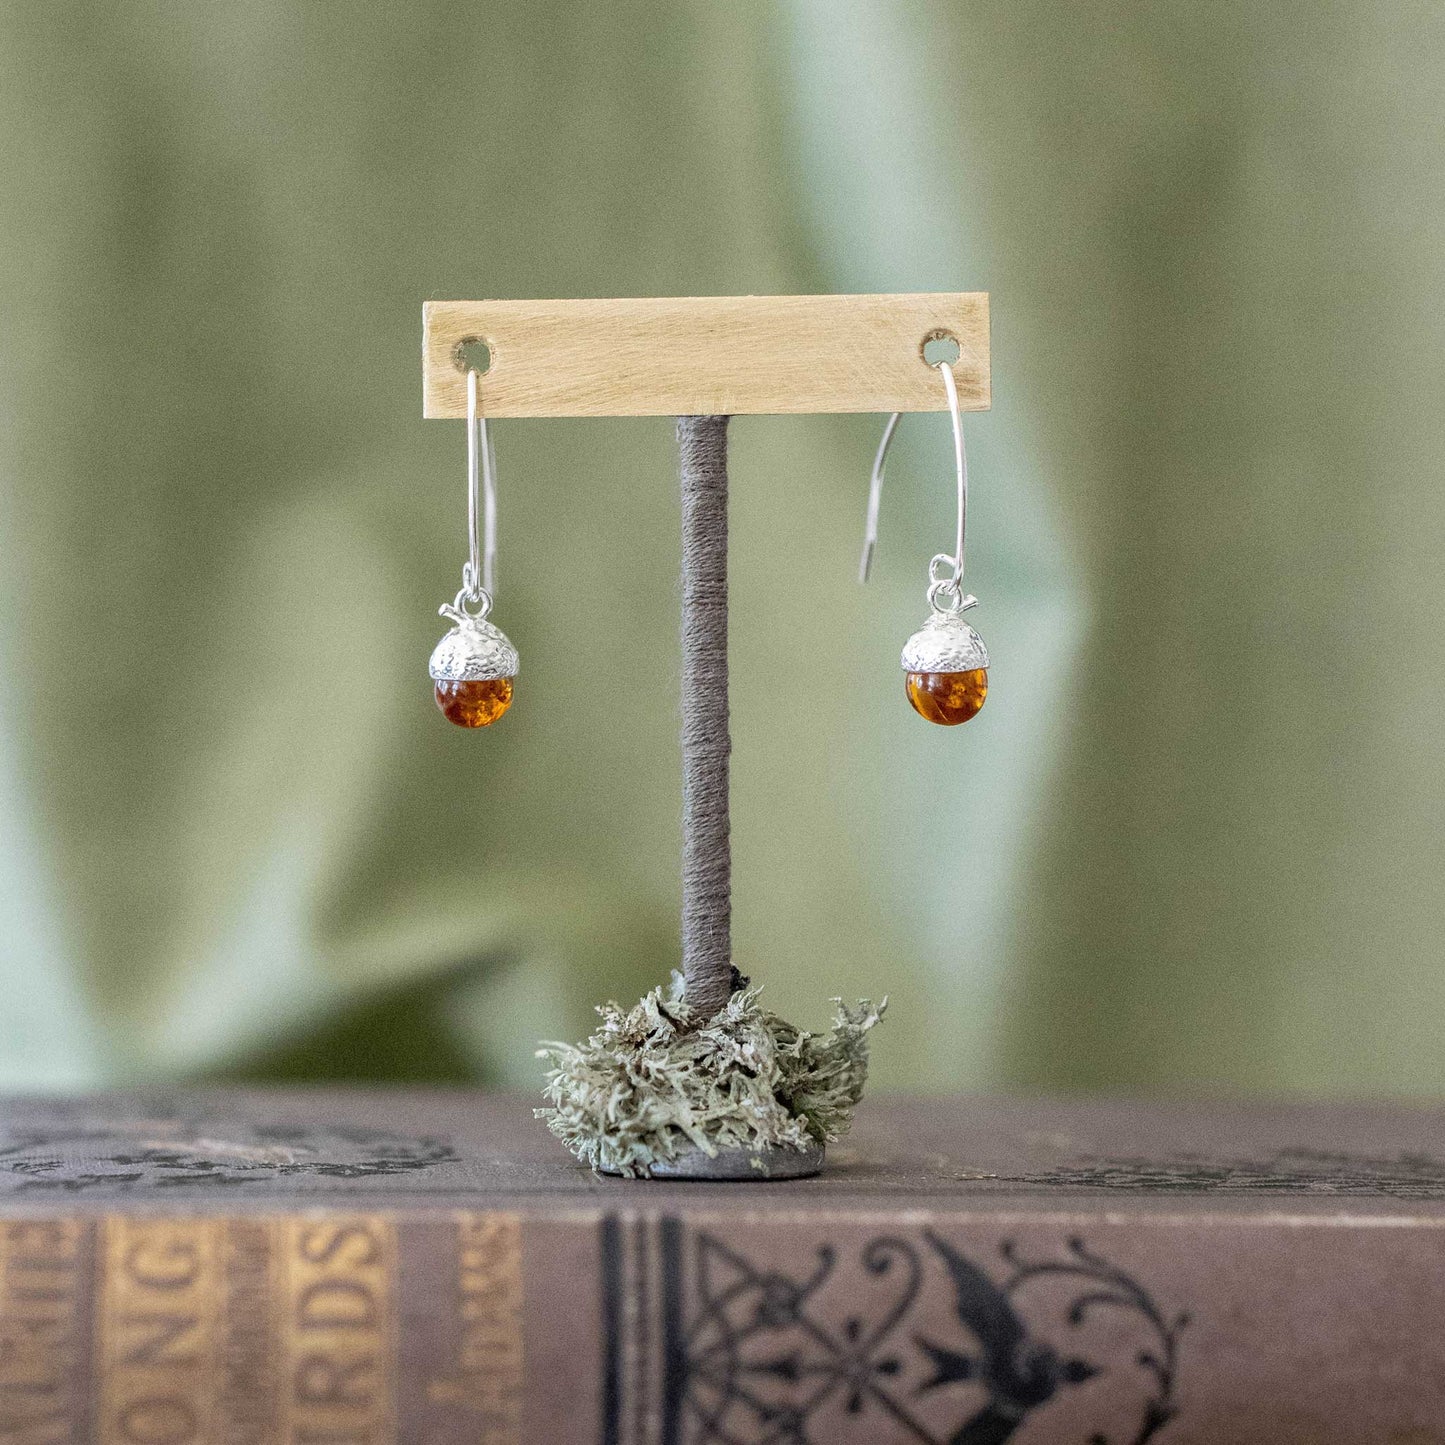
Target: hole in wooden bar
471,353
940,346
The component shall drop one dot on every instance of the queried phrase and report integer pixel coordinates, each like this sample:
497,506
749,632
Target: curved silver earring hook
875,495
480,573
875,489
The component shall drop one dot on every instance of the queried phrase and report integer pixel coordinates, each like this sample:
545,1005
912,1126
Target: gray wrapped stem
706,847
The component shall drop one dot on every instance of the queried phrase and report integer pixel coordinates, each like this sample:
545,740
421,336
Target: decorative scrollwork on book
910,1337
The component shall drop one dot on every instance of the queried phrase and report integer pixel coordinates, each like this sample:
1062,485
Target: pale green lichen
656,1080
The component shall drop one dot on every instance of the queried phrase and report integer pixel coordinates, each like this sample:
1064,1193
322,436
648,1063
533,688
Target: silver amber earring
475,665
945,662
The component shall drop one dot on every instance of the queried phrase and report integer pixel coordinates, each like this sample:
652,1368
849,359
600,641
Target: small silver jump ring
949,590
481,599
958,599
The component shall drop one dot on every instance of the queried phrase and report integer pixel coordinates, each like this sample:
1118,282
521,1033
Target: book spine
630,1327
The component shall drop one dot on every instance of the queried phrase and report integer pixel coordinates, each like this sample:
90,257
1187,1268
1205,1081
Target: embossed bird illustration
1020,1373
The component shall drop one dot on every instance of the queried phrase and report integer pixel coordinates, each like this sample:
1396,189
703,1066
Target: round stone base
765,1162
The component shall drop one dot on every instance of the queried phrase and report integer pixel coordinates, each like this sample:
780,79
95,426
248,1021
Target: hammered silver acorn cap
473,651
945,643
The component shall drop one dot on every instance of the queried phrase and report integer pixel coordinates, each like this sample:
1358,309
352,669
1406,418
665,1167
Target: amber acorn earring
475,665
945,662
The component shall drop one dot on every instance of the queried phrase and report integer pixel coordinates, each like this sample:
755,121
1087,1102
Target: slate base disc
767,1162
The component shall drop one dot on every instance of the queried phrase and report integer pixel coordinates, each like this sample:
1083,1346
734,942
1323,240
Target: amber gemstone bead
948,698
475,704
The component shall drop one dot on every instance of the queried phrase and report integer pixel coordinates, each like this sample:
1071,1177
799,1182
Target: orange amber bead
475,704
947,698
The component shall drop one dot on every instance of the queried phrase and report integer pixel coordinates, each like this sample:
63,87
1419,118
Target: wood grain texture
705,355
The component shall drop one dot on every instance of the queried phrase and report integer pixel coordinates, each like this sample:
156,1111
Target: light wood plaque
705,355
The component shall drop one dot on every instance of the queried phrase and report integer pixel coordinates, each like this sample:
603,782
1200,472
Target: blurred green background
1195,840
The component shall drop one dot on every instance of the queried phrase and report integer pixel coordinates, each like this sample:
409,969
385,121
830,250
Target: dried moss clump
657,1080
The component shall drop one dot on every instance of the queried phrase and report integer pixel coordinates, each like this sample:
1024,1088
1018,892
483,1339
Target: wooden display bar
705,355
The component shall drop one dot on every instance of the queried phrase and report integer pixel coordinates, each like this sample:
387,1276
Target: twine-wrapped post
706,840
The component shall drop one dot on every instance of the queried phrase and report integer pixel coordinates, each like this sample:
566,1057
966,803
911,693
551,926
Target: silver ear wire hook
480,573
947,584
875,495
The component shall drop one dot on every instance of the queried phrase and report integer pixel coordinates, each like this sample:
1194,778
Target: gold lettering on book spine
338,1331
41,1294
157,1325
247,1331
484,1375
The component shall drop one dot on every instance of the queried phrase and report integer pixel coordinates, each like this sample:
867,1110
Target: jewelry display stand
704,360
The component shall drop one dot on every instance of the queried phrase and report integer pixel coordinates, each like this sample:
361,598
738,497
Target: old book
353,1268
